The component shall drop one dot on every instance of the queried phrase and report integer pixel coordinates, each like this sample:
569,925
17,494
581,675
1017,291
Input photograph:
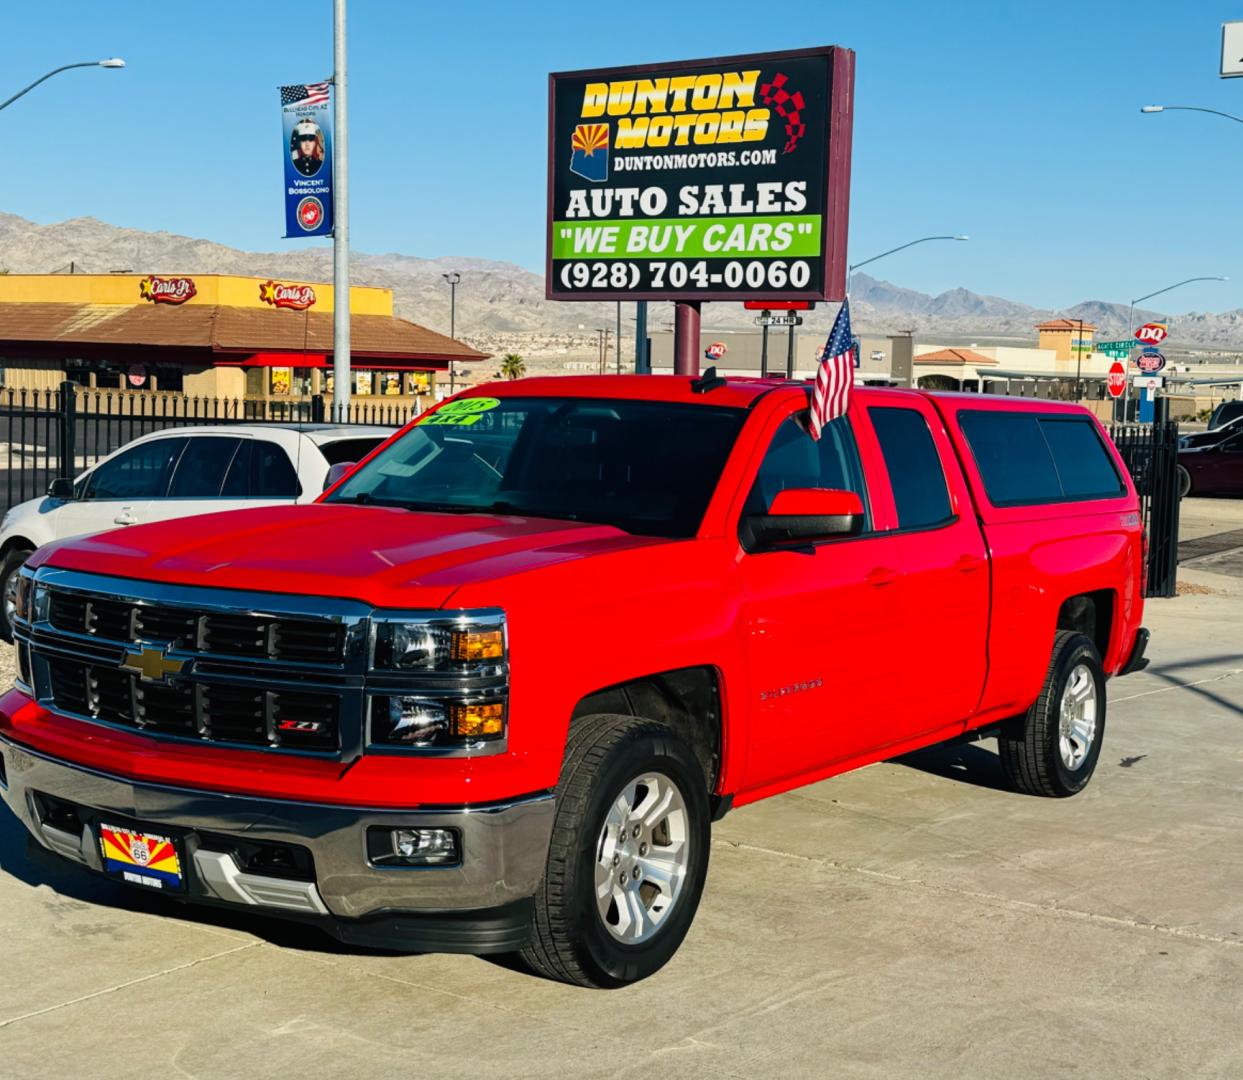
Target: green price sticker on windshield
461,413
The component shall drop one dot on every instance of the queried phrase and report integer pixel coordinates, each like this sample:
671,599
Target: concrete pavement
911,919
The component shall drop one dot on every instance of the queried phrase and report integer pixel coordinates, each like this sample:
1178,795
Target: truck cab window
795,460
914,467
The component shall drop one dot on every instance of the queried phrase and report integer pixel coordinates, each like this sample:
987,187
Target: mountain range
500,307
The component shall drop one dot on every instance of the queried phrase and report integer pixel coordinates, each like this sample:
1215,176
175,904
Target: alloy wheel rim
1077,721
641,858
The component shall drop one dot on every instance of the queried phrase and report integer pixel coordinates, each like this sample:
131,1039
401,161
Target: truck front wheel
1053,748
628,857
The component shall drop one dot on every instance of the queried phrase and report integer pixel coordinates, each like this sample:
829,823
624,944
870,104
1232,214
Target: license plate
141,858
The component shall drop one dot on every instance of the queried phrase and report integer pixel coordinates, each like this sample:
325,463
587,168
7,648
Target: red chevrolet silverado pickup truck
491,691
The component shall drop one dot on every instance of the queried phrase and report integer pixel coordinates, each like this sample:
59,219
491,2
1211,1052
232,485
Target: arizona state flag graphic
140,858
589,152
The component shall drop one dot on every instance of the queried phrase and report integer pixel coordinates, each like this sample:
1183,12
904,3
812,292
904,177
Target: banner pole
340,223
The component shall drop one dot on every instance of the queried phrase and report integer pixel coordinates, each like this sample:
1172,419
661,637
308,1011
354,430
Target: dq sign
715,351
1152,333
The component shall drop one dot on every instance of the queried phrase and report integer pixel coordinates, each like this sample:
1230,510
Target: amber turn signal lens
477,645
477,721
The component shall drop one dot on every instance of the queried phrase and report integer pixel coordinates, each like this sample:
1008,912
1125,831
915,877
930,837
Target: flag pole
340,222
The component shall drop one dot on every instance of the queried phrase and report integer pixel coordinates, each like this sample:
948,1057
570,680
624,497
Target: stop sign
1117,379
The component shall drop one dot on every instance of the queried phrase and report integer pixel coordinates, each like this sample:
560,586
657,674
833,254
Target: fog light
413,847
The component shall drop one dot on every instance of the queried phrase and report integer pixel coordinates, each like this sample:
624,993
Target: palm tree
513,366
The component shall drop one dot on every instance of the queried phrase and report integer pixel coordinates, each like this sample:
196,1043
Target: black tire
569,940
1184,482
9,566
1029,745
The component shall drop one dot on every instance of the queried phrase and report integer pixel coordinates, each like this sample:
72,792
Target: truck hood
381,555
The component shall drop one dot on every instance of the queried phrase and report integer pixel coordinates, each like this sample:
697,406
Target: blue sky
1017,124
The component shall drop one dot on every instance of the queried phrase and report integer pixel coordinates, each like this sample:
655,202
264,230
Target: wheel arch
1092,614
687,699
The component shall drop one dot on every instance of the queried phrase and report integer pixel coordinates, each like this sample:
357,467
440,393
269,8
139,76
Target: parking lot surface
911,919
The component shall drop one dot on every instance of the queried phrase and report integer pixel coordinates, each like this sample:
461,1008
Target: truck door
818,628
932,539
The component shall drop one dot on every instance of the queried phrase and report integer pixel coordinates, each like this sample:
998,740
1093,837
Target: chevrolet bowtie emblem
152,665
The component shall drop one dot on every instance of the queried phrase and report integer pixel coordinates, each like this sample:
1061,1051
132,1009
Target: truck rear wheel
628,857
1052,750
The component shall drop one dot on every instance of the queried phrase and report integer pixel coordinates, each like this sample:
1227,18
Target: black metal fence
1151,453
46,434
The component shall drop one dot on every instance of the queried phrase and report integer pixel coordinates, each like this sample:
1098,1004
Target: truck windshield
646,467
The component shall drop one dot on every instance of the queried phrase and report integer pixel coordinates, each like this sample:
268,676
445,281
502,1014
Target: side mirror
335,472
803,516
60,488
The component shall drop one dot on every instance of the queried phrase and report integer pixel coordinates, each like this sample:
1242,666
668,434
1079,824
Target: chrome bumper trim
504,846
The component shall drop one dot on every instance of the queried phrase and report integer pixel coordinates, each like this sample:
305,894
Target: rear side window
261,470
914,467
339,451
201,468
1026,459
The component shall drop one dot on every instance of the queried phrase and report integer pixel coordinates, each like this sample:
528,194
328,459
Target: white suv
177,473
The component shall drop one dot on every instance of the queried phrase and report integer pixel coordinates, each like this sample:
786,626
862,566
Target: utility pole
764,345
790,354
340,222
617,340
642,362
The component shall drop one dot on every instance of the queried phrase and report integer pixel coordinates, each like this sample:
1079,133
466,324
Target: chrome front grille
269,637
280,673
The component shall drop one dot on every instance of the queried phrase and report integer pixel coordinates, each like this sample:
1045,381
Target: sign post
700,180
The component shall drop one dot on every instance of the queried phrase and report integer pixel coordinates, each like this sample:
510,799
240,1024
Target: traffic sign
1148,382
1115,350
1152,333
779,320
1150,361
1117,379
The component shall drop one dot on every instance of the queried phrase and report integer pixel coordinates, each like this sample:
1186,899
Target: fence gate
1151,453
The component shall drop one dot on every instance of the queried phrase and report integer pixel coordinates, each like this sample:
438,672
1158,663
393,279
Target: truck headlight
471,640
439,680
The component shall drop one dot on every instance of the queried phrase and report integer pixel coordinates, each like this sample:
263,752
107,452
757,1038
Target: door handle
967,563
125,517
882,575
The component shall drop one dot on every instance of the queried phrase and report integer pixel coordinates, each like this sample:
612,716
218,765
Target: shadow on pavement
967,762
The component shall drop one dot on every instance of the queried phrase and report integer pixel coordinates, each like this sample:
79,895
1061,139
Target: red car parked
490,693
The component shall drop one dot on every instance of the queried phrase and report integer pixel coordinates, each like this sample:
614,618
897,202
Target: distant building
211,335
1068,338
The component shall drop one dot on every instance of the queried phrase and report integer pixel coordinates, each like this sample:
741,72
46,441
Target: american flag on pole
836,374
315,94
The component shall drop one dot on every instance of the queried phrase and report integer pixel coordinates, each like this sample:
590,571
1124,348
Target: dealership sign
1152,333
278,294
166,290
704,179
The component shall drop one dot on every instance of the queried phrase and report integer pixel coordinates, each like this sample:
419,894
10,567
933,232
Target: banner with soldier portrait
306,127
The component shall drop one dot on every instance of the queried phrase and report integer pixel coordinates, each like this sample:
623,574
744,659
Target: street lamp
452,277
112,62
1188,108
901,247
1130,319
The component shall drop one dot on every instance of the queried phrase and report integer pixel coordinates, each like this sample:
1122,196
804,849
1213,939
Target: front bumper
481,905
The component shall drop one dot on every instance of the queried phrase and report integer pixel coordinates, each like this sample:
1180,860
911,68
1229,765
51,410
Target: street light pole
340,221
1130,319
452,277
113,62
1188,108
901,247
